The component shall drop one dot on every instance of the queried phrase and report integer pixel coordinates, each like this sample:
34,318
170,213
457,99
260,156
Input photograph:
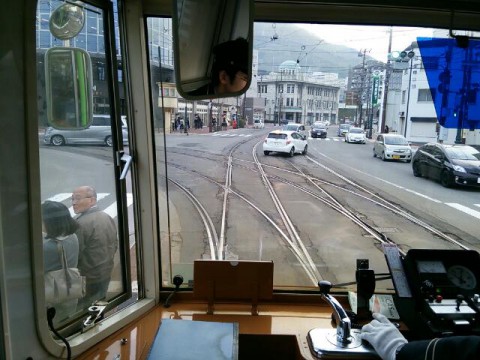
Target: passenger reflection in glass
229,70
59,229
98,242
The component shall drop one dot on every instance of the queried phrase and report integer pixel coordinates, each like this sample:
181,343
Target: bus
178,239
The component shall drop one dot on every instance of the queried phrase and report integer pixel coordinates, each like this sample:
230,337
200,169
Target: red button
439,298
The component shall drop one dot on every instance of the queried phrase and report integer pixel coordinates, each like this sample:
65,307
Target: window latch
95,314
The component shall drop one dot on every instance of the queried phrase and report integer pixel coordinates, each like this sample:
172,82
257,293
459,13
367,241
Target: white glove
383,336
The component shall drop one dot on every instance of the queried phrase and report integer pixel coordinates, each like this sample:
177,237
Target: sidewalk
203,130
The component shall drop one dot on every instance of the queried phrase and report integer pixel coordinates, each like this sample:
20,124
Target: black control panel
445,290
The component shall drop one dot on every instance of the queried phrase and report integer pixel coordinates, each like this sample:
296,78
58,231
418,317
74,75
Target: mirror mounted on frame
217,61
68,75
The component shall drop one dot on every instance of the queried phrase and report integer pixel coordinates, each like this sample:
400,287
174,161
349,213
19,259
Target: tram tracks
286,227
374,198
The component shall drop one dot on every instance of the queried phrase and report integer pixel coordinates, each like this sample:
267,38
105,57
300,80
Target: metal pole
209,115
185,120
280,108
463,111
408,97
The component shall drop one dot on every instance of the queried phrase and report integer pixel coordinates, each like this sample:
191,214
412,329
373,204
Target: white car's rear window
277,136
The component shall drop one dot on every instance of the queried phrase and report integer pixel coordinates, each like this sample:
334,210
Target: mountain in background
278,42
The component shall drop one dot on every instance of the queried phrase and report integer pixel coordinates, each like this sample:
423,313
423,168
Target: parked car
284,141
449,164
300,128
355,135
343,129
99,132
318,130
258,124
392,147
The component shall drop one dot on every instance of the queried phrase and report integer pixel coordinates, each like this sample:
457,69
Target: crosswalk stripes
112,208
225,135
230,135
326,139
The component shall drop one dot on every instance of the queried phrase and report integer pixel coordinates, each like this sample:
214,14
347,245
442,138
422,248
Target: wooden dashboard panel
277,327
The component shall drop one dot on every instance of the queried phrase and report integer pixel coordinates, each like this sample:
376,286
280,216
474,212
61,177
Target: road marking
110,210
465,209
324,139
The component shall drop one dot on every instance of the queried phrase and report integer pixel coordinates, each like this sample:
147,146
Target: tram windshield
315,214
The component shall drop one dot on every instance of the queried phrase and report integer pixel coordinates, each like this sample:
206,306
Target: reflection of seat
233,280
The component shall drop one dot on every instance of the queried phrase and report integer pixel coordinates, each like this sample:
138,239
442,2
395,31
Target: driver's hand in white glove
383,336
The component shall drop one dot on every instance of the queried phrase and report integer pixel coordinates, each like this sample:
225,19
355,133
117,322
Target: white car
355,135
283,141
258,124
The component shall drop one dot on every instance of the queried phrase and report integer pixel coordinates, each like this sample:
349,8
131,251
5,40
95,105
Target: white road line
112,209
100,196
60,197
465,209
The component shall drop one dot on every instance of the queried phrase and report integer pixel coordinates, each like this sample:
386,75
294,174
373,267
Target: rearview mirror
68,75
213,41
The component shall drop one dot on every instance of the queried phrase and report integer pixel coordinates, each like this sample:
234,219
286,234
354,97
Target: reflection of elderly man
97,237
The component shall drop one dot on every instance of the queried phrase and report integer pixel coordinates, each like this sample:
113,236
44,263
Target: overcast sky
372,38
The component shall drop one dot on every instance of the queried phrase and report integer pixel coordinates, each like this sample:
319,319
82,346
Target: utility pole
363,75
386,84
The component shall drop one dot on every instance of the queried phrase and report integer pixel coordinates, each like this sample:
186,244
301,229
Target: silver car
392,147
100,132
299,128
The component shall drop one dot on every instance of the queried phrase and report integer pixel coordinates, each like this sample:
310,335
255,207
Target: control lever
344,325
344,342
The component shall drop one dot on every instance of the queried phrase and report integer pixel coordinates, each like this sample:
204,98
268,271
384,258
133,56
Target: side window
438,153
81,189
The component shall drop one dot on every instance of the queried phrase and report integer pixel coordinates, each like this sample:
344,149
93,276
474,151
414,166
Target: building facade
293,96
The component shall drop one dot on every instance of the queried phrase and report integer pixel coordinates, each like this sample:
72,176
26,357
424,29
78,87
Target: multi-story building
294,96
367,80
414,114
